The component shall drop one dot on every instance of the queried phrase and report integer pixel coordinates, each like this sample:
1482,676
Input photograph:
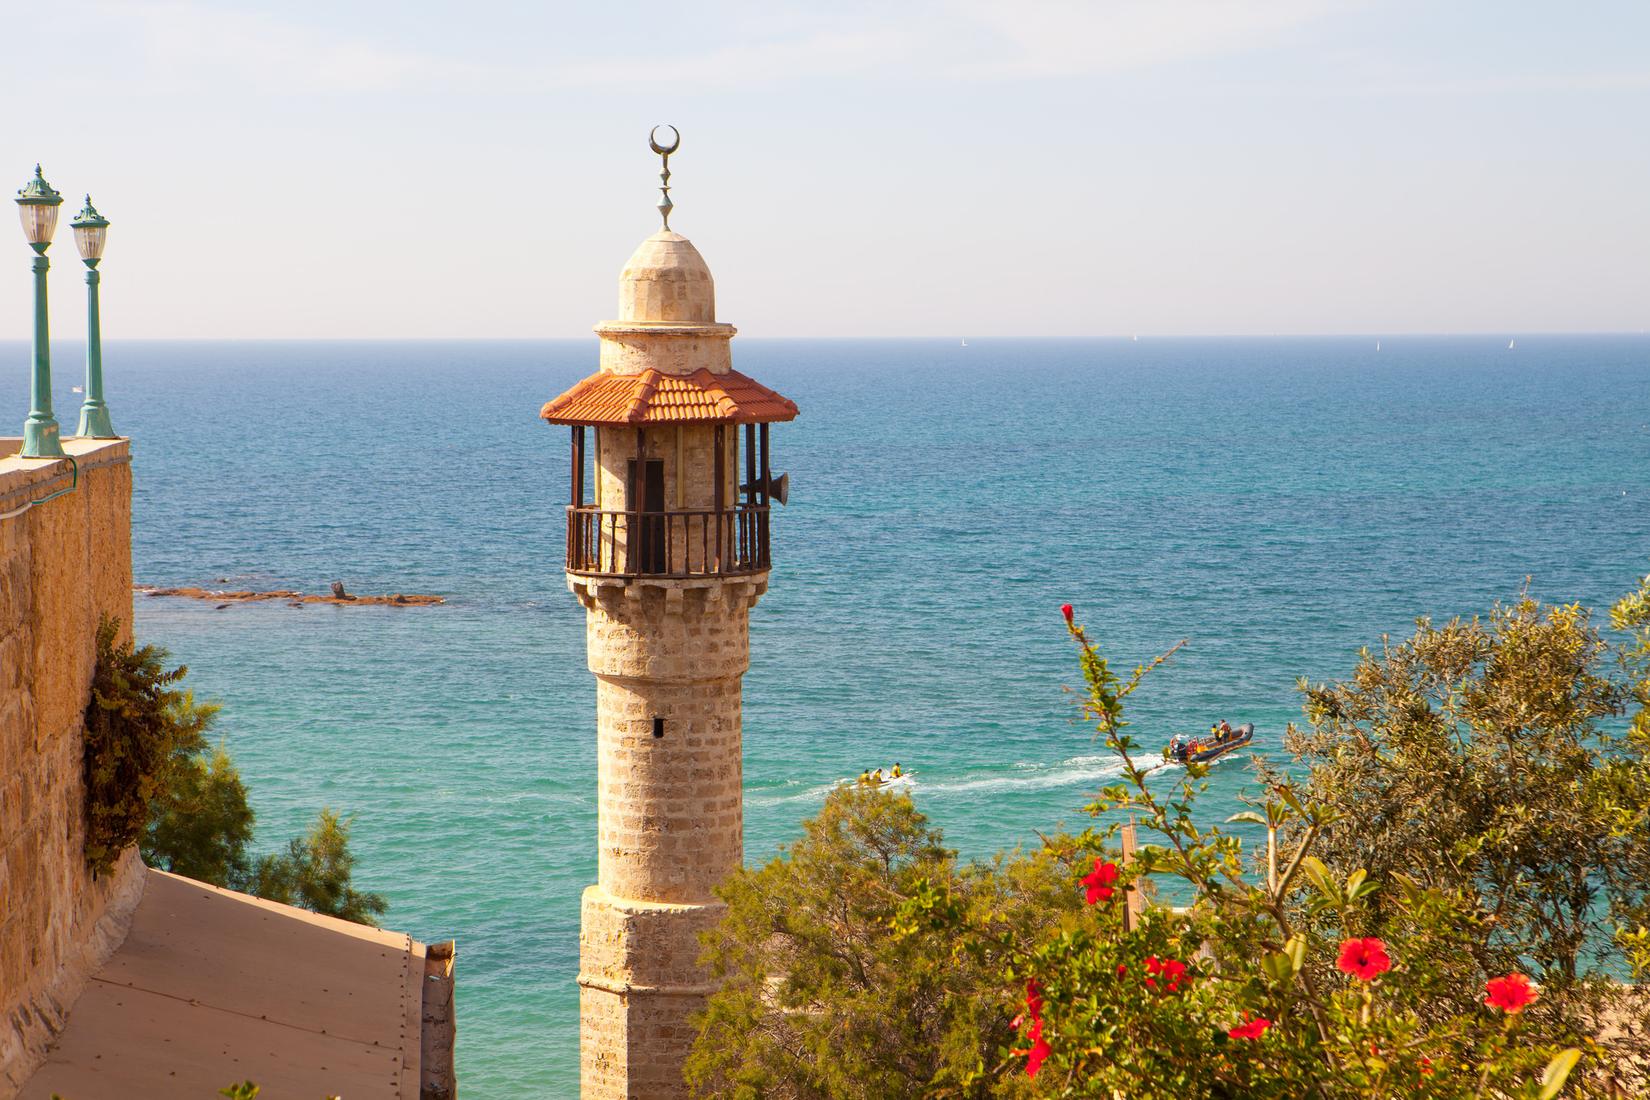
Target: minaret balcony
674,545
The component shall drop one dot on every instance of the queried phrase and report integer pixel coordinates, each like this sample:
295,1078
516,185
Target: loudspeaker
779,488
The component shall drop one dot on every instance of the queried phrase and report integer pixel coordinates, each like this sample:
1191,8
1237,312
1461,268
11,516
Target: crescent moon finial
653,141
664,152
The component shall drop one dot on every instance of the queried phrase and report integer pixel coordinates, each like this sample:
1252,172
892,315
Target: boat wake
1073,772
1077,771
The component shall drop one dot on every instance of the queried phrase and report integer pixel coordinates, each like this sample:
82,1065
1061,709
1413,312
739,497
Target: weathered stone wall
666,280
668,658
639,987
688,453
671,819
678,349
63,564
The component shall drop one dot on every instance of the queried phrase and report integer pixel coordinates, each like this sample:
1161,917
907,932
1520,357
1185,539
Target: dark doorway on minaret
650,549
658,727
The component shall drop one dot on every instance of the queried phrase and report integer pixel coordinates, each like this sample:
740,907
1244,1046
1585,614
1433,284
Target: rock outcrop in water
224,599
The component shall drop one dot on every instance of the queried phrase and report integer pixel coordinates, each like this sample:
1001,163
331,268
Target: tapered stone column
667,550
668,662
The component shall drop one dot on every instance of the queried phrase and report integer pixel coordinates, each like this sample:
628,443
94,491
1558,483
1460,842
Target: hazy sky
949,167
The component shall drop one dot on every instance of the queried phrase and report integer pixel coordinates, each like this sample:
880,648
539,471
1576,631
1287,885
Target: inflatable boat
1196,750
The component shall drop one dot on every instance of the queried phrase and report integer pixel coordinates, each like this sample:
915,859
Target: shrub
825,993
314,874
138,724
1364,952
1476,758
152,779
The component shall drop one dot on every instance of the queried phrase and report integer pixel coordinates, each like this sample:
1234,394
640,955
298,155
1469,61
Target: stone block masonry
63,565
667,579
668,657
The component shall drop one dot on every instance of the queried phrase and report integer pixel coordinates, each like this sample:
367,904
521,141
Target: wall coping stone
26,478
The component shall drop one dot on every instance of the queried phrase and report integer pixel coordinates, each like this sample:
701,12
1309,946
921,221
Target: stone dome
666,280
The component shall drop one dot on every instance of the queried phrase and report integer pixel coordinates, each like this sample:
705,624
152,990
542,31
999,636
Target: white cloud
190,44
970,39
196,44
1080,37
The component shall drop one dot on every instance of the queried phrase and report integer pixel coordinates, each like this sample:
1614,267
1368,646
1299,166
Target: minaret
667,549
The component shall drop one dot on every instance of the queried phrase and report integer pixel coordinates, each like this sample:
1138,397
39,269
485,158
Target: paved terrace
212,987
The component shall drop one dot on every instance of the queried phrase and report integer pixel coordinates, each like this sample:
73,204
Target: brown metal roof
652,397
213,987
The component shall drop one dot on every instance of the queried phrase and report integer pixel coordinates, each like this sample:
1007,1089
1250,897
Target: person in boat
865,778
896,773
1225,730
1177,747
876,778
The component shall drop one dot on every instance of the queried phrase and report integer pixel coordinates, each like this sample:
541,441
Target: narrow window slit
658,727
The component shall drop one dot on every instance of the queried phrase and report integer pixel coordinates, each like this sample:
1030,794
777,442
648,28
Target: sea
1275,504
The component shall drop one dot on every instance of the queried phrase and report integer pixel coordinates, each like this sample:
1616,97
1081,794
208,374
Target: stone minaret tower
667,549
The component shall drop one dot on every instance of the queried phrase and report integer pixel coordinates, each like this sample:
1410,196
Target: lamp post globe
91,232
37,205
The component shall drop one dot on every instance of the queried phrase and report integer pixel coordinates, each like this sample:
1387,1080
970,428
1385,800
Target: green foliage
138,723
828,991
314,873
152,778
201,824
1117,1017
247,1090
1480,762
868,962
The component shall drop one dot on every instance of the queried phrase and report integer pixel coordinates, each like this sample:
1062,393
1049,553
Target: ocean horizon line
1485,334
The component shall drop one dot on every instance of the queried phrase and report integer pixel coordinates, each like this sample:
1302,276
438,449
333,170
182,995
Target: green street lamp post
91,230
37,203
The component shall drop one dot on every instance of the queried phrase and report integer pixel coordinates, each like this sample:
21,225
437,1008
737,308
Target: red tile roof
654,398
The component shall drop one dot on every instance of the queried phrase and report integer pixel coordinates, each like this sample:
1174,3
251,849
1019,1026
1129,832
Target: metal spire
664,152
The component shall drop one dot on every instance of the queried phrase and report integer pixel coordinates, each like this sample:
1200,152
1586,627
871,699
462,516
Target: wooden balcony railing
668,544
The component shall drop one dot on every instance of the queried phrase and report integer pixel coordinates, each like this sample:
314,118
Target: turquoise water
1279,503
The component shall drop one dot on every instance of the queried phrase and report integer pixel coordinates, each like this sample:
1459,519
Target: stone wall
689,482
688,455
668,657
63,564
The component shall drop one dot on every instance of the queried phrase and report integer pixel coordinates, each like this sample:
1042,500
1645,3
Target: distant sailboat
965,341
76,389
1510,344
1377,345
1136,338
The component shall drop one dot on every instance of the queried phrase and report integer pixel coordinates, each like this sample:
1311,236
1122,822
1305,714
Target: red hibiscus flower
1065,609
1171,971
1250,1029
1099,881
1174,972
1511,994
1040,1050
1364,958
